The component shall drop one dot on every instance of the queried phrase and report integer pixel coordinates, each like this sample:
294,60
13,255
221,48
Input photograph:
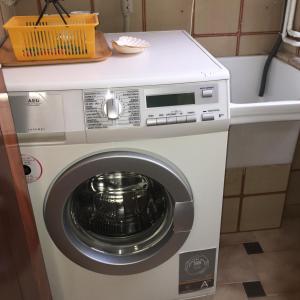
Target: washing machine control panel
155,106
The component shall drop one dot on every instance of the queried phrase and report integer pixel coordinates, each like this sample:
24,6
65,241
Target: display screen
170,100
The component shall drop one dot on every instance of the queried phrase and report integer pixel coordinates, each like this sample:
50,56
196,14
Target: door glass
120,212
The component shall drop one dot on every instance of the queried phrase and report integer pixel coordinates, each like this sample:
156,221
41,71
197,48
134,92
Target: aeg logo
35,99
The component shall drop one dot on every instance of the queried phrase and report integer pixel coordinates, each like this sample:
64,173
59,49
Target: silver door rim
147,164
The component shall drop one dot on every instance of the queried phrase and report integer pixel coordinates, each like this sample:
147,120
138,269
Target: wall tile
233,182
297,17
169,14
72,5
111,19
293,194
26,8
266,179
216,16
260,212
230,214
257,44
219,46
296,159
263,15
7,12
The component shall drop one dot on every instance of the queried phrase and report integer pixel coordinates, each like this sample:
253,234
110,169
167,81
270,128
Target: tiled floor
277,268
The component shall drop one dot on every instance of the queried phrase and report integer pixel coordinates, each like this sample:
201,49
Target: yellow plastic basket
52,39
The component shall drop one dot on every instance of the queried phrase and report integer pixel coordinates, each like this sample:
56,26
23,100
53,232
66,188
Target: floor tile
253,248
227,292
229,239
235,265
285,238
254,289
280,297
279,272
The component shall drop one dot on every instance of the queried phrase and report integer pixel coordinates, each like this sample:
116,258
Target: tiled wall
225,27
293,197
254,197
5,13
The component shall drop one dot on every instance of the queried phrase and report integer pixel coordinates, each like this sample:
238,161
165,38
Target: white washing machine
125,165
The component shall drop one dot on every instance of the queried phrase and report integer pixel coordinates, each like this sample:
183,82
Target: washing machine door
119,212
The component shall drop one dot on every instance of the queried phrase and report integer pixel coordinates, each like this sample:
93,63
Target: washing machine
125,164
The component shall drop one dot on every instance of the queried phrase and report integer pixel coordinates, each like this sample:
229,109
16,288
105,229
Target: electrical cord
270,58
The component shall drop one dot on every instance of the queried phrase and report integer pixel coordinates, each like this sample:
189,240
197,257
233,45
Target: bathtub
264,130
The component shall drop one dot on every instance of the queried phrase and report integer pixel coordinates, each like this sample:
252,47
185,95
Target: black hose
268,64
270,58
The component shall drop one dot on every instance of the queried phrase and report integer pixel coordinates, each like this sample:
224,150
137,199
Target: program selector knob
112,108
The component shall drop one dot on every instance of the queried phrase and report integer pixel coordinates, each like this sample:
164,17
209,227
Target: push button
208,117
207,93
171,120
181,119
191,119
151,122
161,121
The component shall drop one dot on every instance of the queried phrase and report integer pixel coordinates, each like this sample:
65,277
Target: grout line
193,19
256,194
238,42
213,34
234,33
241,199
144,15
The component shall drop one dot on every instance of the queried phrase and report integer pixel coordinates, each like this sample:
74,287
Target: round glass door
119,212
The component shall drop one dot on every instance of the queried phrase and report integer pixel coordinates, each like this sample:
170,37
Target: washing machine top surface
174,57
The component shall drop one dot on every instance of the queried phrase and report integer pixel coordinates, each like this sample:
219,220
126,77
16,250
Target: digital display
170,100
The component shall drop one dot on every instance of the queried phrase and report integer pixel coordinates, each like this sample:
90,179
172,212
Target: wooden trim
16,212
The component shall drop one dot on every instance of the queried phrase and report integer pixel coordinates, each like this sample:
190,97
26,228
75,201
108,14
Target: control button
171,120
112,108
191,119
151,122
207,93
161,121
208,117
181,119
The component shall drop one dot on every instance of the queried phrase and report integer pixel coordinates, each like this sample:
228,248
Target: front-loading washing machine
125,165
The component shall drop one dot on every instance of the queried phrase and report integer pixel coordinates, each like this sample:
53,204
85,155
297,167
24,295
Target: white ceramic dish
130,45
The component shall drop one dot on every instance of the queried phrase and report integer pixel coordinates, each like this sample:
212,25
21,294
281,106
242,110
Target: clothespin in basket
59,8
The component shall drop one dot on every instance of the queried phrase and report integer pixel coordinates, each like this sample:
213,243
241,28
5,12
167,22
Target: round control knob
112,108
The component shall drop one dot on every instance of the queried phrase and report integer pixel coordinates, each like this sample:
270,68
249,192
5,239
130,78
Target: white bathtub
264,130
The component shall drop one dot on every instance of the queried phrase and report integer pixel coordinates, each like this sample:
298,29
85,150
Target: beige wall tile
7,12
169,14
257,44
111,19
26,8
230,214
266,179
263,15
219,46
216,16
259,212
293,194
72,5
233,182
297,17
237,238
288,48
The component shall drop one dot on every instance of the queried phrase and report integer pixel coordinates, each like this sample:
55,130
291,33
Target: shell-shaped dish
129,45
